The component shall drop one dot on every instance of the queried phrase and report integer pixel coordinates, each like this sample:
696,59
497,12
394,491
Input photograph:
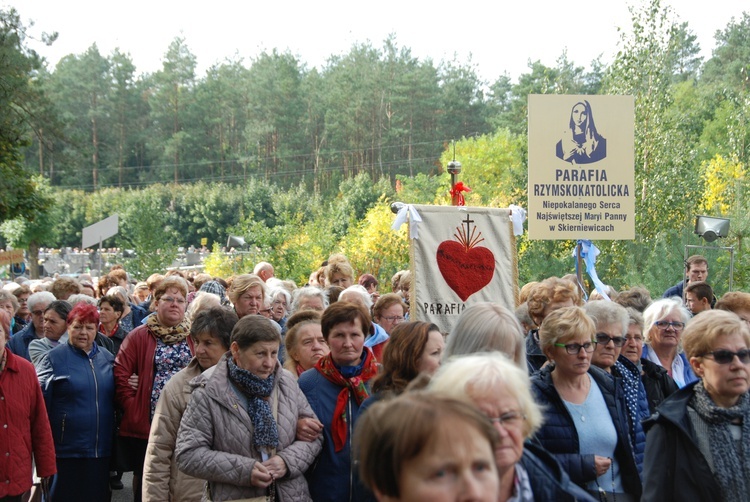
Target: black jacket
658,384
674,467
558,435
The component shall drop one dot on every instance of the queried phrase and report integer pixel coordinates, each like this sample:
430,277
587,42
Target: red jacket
25,428
136,355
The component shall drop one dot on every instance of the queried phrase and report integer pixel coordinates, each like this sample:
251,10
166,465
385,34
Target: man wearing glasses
37,304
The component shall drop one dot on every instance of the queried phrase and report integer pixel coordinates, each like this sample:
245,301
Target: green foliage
144,228
492,166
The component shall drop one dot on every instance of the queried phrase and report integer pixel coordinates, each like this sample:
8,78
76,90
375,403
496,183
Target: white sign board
99,231
581,172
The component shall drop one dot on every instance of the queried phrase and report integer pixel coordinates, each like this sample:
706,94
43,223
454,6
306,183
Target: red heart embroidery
465,270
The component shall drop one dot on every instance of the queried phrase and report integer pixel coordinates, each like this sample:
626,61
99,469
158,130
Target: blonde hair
702,331
474,378
563,324
242,283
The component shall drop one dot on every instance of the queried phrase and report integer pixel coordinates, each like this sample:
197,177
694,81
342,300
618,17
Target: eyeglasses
727,356
169,299
574,348
604,339
676,325
266,311
509,419
37,312
396,318
636,338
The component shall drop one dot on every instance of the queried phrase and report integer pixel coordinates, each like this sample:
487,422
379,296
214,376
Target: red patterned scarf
354,384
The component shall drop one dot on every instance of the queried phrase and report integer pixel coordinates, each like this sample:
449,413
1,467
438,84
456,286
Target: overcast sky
501,36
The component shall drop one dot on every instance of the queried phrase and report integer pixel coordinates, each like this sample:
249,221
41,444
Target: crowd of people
252,388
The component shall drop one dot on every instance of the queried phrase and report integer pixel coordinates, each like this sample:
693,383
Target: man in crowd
698,296
696,270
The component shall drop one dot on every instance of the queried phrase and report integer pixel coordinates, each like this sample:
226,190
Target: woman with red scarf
335,388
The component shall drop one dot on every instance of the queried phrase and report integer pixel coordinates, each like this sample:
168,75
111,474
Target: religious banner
581,170
460,256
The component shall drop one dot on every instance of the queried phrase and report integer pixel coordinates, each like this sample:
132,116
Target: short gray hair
308,292
41,297
487,327
606,312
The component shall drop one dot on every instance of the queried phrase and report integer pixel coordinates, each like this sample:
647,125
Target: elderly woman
280,301
611,322
665,320
698,447
586,427
308,298
377,338
656,382
26,431
339,273
38,303
426,448
546,297
79,389
502,390
9,303
389,311
304,342
414,348
162,481
239,429
55,330
487,327
154,351
335,388
247,293
23,313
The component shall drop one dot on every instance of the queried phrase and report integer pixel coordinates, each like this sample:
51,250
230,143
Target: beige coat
215,440
162,481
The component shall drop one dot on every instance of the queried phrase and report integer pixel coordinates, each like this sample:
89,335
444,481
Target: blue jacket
79,391
558,435
19,344
675,290
549,481
139,314
331,477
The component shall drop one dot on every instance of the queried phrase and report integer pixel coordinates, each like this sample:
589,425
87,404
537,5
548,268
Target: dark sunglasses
604,339
727,356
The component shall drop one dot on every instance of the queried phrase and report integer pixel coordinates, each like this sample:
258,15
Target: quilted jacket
215,443
162,481
22,410
558,435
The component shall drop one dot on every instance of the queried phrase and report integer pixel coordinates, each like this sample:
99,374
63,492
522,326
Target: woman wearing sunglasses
585,422
665,321
698,445
612,322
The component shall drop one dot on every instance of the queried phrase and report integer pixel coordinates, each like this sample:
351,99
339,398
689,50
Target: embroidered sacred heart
466,267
